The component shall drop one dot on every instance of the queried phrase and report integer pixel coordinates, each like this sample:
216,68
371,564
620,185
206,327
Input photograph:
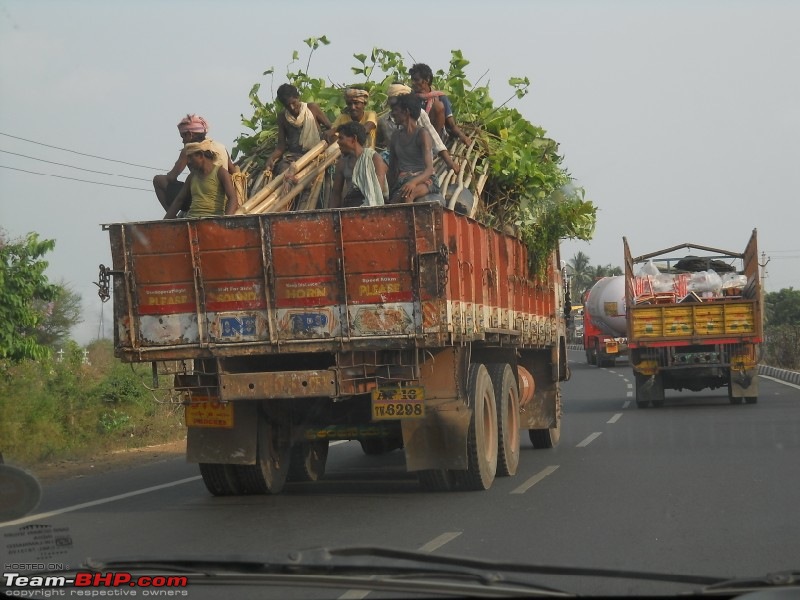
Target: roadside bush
782,347
63,407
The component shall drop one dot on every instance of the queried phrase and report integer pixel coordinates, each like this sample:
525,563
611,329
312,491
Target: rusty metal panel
278,384
295,282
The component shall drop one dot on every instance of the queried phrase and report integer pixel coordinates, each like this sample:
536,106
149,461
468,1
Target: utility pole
763,264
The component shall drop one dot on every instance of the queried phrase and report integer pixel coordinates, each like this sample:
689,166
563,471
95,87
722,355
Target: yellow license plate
398,403
612,349
209,412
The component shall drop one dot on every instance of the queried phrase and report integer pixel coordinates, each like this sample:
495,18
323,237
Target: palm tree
581,274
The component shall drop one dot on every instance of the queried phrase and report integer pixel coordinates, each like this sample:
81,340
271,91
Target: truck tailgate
323,280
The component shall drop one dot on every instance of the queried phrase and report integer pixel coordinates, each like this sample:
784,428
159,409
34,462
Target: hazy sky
680,119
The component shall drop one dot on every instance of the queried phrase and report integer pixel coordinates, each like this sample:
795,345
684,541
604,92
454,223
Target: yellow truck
694,321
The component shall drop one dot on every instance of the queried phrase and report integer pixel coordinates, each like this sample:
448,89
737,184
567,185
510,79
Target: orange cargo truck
402,326
694,321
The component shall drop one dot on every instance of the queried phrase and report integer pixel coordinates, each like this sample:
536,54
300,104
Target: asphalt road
699,486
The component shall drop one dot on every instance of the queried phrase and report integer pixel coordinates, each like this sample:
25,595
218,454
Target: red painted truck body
396,326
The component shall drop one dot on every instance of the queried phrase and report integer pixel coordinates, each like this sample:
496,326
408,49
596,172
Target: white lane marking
589,439
626,404
337,442
434,544
615,418
439,541
535,479
629,395
61,511
630,386
794,385
354,594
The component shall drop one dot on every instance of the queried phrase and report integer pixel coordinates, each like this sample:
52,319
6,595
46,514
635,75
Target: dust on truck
694,321
401,326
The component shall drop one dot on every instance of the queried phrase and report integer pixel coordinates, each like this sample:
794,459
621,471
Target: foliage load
524,183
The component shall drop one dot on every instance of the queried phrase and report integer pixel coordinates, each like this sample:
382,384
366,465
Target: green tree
581,272
584,275
23,284
600,271
783,307
782,347
59,316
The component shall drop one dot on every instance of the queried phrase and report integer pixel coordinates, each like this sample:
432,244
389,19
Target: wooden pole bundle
269,194
306,172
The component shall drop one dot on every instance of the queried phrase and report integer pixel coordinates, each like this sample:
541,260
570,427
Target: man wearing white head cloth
355,110
387,127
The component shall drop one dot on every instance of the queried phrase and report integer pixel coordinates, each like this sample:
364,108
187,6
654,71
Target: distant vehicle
604,327
694,322
575,325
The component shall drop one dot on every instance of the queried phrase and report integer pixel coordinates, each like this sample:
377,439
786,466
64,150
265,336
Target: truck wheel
220,479
482,435
436,480
308,460
591,356
733,399
506,395
545,438
269,473
751,399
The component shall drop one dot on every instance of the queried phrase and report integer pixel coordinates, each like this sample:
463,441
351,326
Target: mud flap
544,411
439,441
235,446
744,383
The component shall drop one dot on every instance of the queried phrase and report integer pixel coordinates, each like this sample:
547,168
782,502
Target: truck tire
307,462
733,399
220,479
268,475
506,394
751,399
482,434
591,356
543,439
436,480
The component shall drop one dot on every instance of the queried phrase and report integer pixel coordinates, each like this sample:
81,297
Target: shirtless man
410,157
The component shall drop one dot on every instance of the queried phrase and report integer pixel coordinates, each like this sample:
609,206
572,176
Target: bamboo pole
465,161
277,200
262,194
299,164
313,195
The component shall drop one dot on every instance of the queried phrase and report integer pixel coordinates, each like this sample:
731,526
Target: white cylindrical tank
606,305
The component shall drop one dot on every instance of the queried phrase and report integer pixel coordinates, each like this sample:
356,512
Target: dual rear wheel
493,438
268,474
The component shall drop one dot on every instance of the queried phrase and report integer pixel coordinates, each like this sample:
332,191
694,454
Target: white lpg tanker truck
605,330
